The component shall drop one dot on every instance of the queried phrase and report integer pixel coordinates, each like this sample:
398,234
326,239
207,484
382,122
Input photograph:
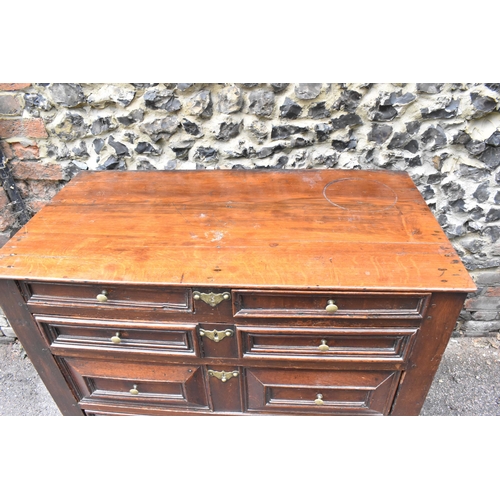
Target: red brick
16,151
24,170
4,200
10,105
14,86
7,218
4,238
493,291
33,127
35,206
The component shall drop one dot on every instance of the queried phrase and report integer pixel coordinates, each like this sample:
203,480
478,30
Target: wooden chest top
307,229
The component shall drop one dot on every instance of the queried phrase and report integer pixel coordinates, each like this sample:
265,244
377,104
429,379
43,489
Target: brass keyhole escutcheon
103,296
212,299
331,307
215,335
222,375
319,399
116,338
134,390
323,346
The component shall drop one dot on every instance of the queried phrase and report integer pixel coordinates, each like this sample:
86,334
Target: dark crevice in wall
10,188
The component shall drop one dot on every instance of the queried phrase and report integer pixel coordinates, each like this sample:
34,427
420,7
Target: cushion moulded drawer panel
339,392
277,304
101,384
368,344
118,296
69,334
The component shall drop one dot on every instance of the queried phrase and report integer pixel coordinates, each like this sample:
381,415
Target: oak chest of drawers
317,292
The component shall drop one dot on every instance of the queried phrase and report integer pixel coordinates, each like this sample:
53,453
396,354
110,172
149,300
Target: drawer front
270,304
66,335
360,344
320,392
105,385
165,299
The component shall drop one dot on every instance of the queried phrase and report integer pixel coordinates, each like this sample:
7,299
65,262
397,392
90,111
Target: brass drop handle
116,338
134,390
331,307
103,296
323,346
319,399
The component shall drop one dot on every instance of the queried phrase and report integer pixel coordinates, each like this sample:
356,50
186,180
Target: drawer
278,304
106,385
66,335
360,344
115,296
320,392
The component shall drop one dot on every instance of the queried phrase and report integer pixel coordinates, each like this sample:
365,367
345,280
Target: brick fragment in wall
8,218
14,86
34,170
19,151
19,127
10,105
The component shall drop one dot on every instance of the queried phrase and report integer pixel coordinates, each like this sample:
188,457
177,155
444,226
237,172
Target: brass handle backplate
331,307
216,335
103,296
319,399
134,390
212,299
223,376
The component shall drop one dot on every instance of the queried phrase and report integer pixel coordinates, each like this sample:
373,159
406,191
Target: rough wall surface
445,135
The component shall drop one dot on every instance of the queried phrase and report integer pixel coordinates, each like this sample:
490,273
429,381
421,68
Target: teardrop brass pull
116,338
103,296
134,390
319,399
331,307
323,346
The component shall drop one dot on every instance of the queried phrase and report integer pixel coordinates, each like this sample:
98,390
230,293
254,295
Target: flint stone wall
445,135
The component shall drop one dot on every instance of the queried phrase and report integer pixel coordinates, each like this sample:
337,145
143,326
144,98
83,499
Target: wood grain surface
313,229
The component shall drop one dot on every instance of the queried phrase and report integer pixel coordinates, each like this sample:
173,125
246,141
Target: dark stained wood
281,245
37,348
367,344
427,352
342,392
